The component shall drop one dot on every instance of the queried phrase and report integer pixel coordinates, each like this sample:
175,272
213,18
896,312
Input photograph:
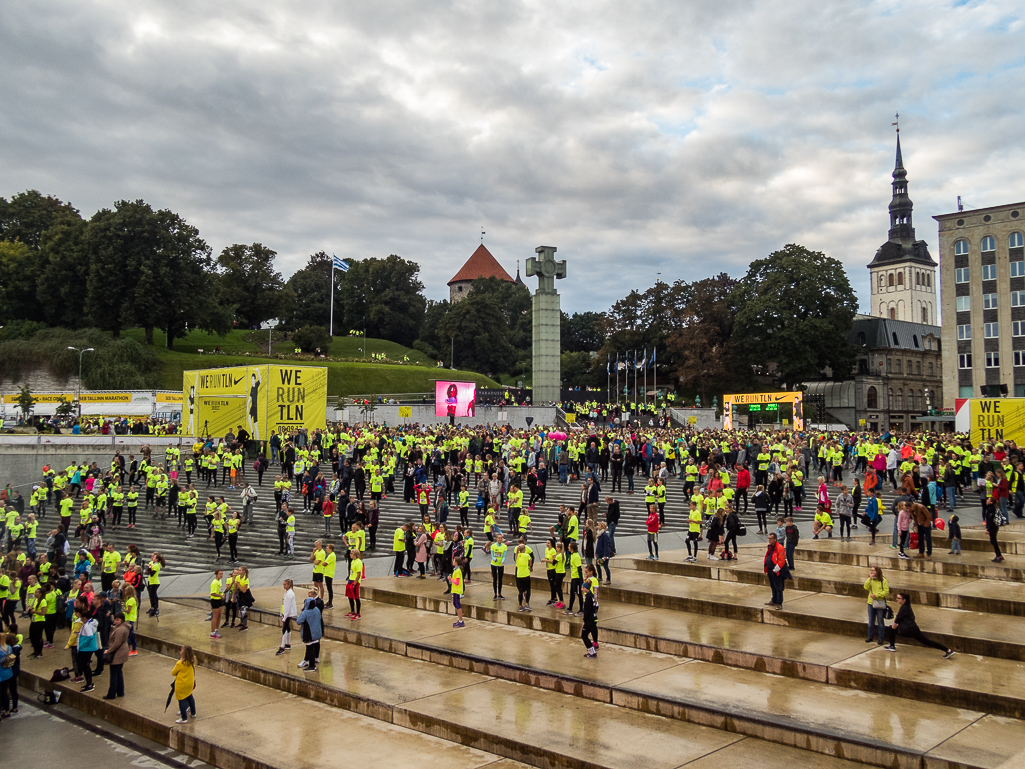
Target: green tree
582,332
307,296
478,332
247,281
64,408
25,400
312,338
702,346
18,273
62,285
27,215
795,310
386,295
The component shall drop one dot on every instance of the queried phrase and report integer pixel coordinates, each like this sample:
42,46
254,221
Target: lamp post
80,352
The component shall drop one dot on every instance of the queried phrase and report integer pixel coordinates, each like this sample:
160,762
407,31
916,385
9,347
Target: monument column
547,372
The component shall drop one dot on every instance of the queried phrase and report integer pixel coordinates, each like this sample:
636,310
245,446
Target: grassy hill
240,348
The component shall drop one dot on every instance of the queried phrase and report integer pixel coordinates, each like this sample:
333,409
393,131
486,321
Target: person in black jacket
904,624
589,631
612,518
992,527
732,529
760,500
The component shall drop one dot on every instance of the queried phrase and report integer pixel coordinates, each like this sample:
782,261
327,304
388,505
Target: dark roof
896,252
481,264
978,211
892,334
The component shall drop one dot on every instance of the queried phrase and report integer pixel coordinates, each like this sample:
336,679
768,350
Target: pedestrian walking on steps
153,568
288,615
216,602
775,565
993,527
184,673
904,624
878,590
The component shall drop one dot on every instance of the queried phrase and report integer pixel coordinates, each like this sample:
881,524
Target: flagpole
617,378
645,363
608,379
331,327
654,376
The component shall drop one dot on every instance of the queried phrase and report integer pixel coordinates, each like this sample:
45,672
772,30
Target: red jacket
743,479
653,524
777,557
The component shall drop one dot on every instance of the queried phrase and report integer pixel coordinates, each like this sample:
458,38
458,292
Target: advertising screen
455,399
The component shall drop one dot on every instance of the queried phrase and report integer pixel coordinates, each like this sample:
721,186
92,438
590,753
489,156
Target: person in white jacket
288,614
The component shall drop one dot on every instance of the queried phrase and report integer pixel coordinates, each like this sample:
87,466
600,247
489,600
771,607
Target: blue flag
608,365
339,264
651,363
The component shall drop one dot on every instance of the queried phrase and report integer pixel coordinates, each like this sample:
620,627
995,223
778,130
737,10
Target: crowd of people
344,473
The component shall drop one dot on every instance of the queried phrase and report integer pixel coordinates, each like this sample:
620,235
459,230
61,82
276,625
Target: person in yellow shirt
317,559
524,561
329,575
216,602
111,560
184,673
693,531
457,591
352,586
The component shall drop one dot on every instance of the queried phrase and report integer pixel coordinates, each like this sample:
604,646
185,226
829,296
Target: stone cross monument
547,325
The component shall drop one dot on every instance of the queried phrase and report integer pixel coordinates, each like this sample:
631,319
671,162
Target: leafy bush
309,338
426,349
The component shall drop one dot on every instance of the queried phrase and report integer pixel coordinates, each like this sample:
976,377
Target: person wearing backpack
88,644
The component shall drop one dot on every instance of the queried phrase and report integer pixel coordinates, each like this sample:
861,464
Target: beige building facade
982,279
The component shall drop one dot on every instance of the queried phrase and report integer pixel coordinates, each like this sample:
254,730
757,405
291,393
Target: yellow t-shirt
522,564
356,571
318,561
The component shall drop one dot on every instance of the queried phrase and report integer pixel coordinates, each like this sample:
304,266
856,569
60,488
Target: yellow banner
259,398
571,417
405,412
994,420
793,397
45,398
170,398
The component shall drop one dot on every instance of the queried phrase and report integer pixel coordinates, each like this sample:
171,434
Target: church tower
903,272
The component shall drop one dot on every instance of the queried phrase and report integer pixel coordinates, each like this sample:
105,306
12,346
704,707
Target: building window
900,278
964,332
1014,240
908,369
872,398
989,301
930,368
918,368
992,360
914,337
963,303
889,279
899,401
925,315
918,278
1018,269
893,336
989,243
961,248
1017,299
961,274
882,281
1018,328
889,399
1019,357
989,272
990,330
928,280
964,360
893,314
889,366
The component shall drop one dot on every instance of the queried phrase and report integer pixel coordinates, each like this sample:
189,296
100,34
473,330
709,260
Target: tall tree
702,347
386,295
62,284
27,215
308,294
247,281
582,332
795,310
479,336
18,266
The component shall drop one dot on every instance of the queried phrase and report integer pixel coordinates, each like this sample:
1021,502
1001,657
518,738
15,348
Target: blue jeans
876,617
604,564
790,553
776,583
630,482
951,497
955,545
563,474
186,705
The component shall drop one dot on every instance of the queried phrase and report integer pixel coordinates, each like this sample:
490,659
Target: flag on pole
339,264
644,358
651,363
608,365
617,361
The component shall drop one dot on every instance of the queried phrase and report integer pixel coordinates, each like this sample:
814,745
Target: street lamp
80,352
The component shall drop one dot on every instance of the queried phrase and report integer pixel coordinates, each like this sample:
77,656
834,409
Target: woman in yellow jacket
878,591
184,673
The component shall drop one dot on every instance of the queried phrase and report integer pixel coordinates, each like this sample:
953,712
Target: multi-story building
982,277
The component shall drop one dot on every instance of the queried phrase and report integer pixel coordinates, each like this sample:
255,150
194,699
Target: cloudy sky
681,138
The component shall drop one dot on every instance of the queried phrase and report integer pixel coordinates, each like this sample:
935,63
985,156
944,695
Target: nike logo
781,397
238,380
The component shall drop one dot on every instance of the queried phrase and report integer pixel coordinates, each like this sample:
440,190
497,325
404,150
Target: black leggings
552,582
50,625
190,523
497,574
233,546
523,591
154,601
993,541
574,592
559,578
115,518
355,604
589,634
845,521
312,653
35,636
891,637
131,514
218,541
763,519
692,540
84,662
330,581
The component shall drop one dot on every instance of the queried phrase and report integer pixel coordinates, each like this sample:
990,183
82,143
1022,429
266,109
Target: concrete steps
784,711
972,563
273,709
242,723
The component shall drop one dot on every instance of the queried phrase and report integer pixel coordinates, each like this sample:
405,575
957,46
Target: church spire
901,229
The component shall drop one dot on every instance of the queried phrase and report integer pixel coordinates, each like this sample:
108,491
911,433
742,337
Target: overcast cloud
681,138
